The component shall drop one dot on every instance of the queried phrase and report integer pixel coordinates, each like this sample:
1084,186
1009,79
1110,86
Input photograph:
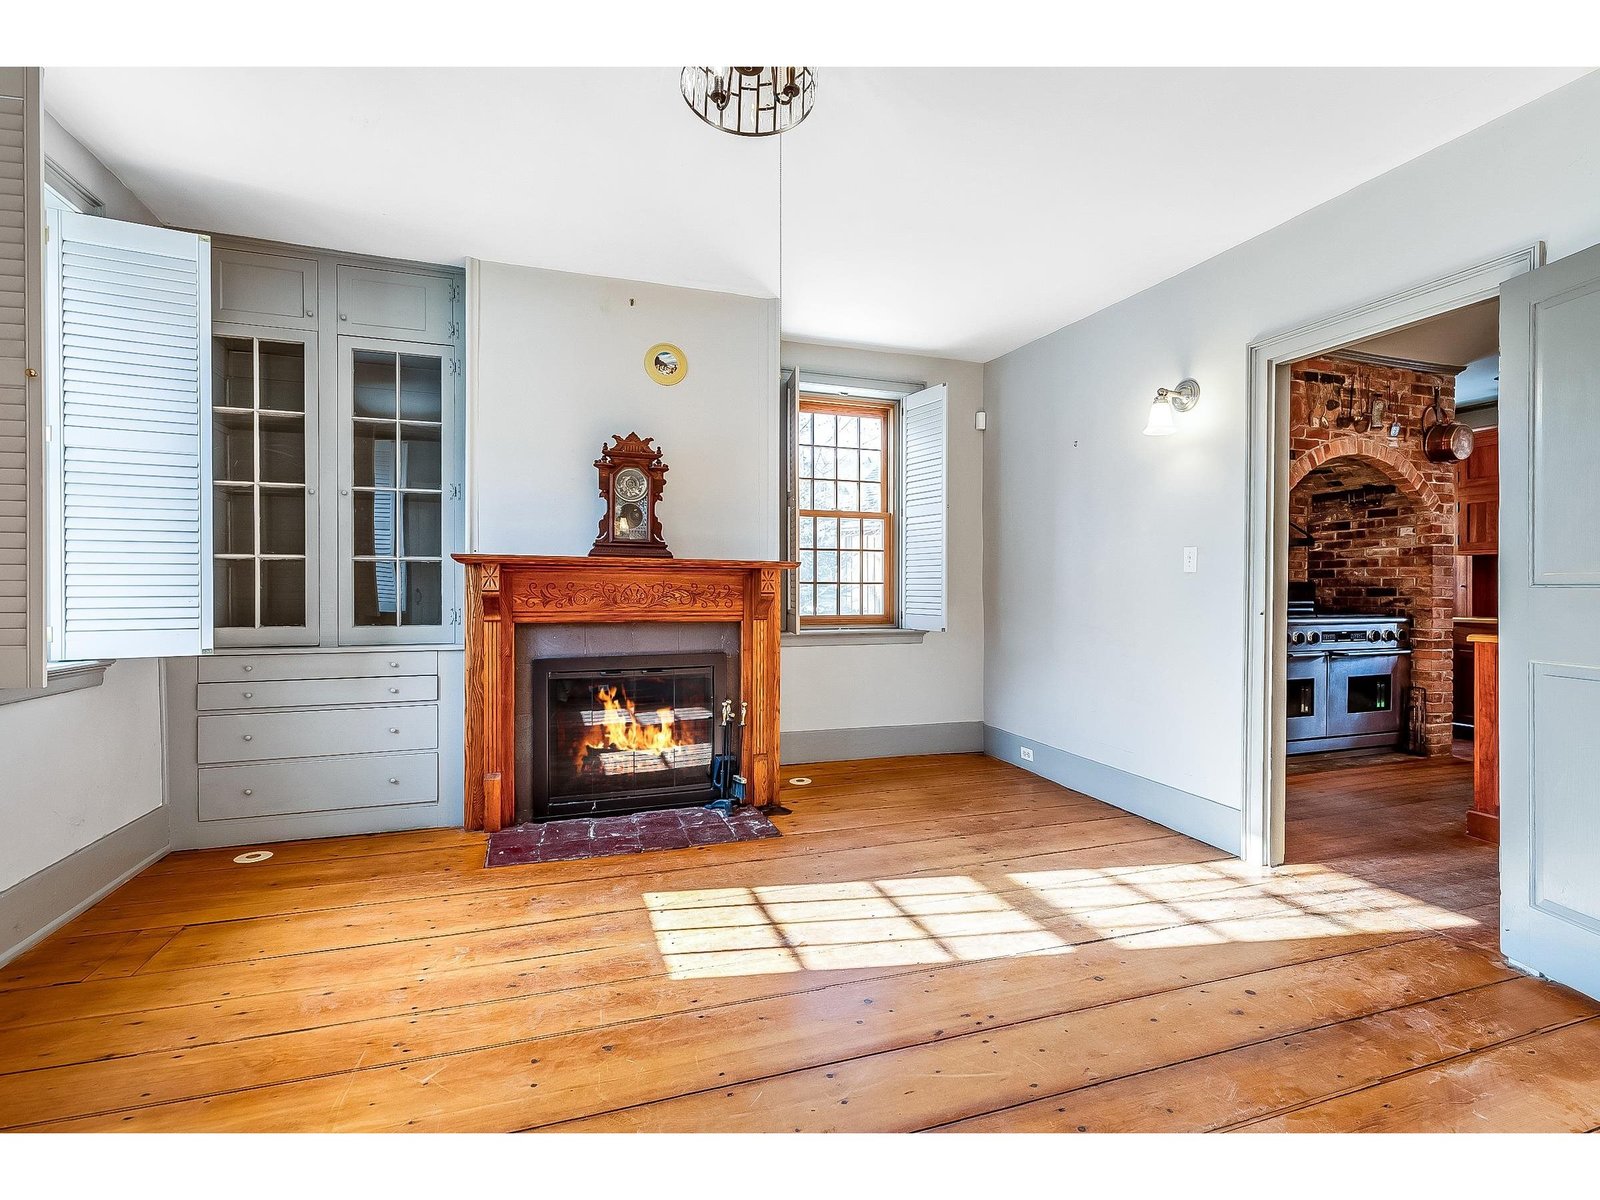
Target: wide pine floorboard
935,943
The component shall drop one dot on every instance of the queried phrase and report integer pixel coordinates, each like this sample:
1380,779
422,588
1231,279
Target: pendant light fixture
750,101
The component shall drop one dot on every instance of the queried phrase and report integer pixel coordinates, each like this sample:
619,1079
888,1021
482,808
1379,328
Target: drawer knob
393,780
394,691
249,791
392,729
247,670
249,737
249,695
394,664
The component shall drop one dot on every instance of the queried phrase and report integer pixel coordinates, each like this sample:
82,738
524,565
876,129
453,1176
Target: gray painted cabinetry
333,703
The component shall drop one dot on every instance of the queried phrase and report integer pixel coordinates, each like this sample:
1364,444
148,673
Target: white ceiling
957,212
1452,339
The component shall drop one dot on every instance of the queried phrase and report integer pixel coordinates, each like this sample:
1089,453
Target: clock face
630,484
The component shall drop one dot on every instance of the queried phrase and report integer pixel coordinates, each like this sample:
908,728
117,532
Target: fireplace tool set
725,775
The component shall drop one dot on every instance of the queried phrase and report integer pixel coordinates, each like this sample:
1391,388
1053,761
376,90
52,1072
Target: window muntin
844,489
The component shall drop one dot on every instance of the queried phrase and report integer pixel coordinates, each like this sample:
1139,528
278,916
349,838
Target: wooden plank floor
935,943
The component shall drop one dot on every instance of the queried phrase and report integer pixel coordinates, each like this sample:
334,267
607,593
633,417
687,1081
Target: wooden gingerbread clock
632,478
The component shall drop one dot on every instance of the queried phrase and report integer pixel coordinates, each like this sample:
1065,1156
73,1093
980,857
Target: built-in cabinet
1477,567
336,392
1478,496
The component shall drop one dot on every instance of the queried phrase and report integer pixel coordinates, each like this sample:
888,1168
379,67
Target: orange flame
621,729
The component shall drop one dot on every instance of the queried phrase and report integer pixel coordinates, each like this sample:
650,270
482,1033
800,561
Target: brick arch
1423,584
1391,461
1405,561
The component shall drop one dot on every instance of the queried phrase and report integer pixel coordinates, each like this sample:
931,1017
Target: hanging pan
1444,441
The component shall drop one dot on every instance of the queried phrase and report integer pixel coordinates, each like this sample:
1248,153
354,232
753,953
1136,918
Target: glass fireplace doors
617,735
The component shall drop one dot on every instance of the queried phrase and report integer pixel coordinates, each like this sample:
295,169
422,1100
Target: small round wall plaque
666,364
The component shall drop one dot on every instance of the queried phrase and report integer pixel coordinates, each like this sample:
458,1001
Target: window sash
885,511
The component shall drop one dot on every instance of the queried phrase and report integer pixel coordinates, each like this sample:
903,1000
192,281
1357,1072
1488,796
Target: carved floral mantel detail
728,598
504,591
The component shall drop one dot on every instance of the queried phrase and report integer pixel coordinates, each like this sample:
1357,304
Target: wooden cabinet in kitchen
1478,496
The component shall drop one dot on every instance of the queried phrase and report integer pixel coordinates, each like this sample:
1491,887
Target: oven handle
1308,654
1377,653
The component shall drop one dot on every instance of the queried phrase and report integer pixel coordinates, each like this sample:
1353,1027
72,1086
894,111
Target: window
864,496
844,482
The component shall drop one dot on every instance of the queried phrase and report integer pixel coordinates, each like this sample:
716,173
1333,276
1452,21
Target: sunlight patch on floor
712,932
1172,907
839,926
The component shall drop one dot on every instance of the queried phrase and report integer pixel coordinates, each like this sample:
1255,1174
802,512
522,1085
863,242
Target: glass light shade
750,101
1161,422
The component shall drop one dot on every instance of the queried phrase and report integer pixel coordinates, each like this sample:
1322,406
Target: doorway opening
1374,570
1380,704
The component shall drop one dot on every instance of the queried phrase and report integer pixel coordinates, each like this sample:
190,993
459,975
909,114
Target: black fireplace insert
624,734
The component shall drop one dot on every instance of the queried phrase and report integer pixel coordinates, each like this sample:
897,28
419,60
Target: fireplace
618,734
514,597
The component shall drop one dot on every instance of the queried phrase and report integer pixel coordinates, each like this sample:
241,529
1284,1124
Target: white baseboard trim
882,741
1204,820
32,910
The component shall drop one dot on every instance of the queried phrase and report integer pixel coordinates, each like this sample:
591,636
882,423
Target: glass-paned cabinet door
264,464
395,492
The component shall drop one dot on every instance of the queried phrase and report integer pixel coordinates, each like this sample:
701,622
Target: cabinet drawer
264,289
395,304
307,693
318,785
350,664
247,737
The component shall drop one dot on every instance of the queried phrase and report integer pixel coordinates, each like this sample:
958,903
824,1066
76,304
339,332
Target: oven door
1306,706
1366,689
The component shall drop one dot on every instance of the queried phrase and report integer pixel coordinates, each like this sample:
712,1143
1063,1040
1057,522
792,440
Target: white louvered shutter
22,648
130,339
923,488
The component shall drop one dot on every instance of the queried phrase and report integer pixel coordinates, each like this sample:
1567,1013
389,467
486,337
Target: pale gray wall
77,767
555,366
70,155
1097,643
939,681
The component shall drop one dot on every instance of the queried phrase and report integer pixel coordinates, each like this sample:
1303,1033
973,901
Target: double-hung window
845,487
866,503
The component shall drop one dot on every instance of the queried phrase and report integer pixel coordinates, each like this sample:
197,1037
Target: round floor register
253,856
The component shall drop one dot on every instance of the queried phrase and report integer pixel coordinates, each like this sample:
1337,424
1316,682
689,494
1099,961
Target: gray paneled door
1550,620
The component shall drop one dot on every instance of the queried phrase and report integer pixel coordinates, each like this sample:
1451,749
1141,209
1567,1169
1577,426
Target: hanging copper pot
1444,441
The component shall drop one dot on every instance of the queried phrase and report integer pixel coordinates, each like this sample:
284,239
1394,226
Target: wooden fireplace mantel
507,590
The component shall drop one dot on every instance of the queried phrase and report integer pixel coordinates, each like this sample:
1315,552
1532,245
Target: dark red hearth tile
597,837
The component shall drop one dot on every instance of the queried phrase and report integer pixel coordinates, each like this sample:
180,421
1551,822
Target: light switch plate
1191,559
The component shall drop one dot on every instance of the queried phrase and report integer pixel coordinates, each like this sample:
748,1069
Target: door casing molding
1267,470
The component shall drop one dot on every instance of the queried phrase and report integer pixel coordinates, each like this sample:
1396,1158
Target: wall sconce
1169,400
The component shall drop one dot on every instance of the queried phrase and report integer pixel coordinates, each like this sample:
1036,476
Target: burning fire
620,731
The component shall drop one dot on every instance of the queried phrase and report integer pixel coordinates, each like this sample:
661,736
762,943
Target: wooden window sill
868,635
61,679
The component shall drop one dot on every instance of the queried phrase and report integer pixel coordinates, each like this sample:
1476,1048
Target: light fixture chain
780,248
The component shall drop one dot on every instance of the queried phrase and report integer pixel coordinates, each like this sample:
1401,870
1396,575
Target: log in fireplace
623,734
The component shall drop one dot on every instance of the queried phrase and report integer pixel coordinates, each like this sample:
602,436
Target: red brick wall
1382,516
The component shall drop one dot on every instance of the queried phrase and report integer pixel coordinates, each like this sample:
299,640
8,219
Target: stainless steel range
1347,681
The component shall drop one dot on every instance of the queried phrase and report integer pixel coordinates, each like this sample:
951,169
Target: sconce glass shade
1161,423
